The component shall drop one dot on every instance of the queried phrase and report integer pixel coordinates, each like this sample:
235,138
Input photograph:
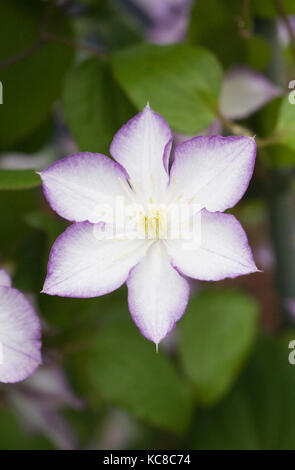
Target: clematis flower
19,334
140,240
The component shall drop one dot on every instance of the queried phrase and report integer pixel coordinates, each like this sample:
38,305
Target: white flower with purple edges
142,220
20,334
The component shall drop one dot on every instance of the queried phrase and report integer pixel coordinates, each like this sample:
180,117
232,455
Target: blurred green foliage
34,82
150,386
212,321
90,87
181,82
259,412
219,384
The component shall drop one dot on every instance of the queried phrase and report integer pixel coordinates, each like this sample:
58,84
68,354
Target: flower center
155,223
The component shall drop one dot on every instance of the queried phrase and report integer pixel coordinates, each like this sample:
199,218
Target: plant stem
279,190
236,129
281,11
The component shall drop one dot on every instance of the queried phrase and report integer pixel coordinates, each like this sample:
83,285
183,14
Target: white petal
5,279
142,147
224,250
19,336
245,91
81,186
157,294
86,262
212,172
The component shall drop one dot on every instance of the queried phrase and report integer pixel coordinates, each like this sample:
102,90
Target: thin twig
242,20
21,55
72,43
37,44
238,130
281,11
44,37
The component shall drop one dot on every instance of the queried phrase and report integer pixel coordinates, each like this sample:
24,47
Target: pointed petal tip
147,108
46,290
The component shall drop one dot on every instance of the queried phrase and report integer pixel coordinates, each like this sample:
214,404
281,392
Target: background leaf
260,412
19,179
95,107
14,437
129,373
267,9
30,86
181,82
286,123
235,47
217,332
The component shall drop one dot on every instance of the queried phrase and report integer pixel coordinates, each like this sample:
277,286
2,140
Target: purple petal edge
182,308
64,160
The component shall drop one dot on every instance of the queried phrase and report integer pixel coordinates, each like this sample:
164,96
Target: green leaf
267,8
217,332
32,83
257,52
129,373
280,156
52,226
180,81
214,25
286,124
259,413
37,140
14,437
220,33
19,179
13,207
95,106
115,26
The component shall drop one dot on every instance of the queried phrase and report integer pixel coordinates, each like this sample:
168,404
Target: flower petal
245,91
157,294
78,186
224,250
142,146
49,387
20,334
212,172
5,279
86,262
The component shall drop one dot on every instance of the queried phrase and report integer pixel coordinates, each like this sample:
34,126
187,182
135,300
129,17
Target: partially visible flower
124,228
20,334
20,161
284,33
118,431
244,91
168,19
290,307
38,402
